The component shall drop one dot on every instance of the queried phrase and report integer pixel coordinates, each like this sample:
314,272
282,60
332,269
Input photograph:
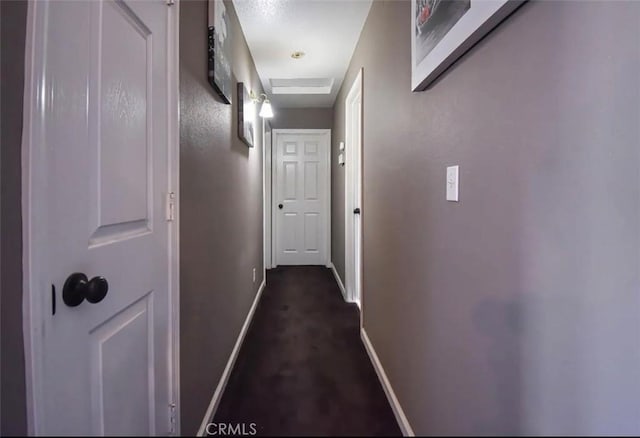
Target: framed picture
219,50
246,116
443,30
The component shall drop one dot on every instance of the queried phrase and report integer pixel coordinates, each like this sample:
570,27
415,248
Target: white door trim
34,217
264,197
327,184
32,308
173,78
355,91
266,163
272,246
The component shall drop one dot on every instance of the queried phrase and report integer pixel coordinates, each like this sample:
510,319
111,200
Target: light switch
452,183
341,147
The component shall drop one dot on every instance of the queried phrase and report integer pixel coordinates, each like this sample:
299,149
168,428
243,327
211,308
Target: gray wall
516,310
220,214
12,38
302,118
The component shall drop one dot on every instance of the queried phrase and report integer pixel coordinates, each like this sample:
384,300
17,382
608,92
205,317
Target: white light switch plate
452,183
341,159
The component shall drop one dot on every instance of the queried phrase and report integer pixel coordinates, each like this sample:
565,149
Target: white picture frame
443,30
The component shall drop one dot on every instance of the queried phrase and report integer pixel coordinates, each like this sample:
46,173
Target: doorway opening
301,197
84,223
353,192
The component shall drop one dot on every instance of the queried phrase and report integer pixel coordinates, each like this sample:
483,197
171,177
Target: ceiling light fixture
266,111
297,54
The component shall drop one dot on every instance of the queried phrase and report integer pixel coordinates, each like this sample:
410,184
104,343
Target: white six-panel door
301,206
99,181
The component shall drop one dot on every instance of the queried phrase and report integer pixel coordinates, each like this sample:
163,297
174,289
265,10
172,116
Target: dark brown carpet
302,369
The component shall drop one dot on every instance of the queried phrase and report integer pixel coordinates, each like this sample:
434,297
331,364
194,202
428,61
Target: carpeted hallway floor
302,369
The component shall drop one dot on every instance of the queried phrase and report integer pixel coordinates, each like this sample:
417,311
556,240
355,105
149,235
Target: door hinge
171,206
171,2
172,418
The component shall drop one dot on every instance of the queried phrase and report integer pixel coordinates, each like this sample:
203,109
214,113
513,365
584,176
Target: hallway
175,177
303,368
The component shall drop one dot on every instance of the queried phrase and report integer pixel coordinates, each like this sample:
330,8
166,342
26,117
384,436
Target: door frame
351,270
34,219
326,183
267,136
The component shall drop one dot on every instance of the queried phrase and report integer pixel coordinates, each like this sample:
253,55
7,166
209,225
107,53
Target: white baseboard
217,395
339,281
405,427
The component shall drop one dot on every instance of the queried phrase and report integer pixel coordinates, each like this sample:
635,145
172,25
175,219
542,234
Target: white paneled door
100,245
301,206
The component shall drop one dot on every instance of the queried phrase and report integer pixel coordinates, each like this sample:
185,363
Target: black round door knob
96,289
280,206
78,287
73,290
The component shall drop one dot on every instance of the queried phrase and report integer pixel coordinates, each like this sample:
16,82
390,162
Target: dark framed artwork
219,50
443,30
246,116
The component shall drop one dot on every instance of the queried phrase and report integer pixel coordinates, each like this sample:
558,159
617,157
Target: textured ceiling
326,30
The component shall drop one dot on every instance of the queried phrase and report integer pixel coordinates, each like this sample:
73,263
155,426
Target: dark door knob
280,206
356,211
78,287
96,290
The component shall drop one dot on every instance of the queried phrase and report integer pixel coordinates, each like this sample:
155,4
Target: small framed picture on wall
219,50
246,116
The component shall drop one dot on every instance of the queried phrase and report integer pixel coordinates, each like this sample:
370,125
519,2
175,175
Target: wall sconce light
266,111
